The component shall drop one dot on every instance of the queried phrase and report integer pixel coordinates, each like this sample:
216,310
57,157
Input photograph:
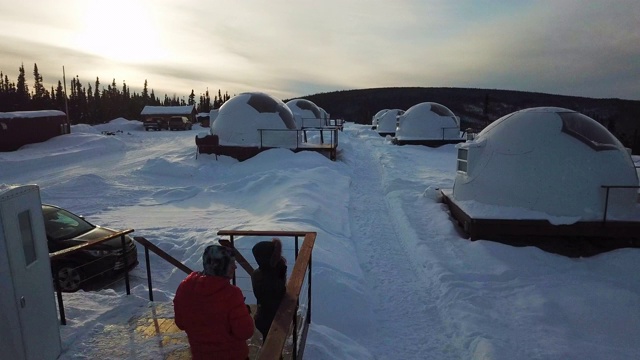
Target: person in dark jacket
268,282
212,311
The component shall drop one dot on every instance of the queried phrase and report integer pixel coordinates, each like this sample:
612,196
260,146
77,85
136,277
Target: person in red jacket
212,311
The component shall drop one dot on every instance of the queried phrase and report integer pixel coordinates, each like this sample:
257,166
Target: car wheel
69,278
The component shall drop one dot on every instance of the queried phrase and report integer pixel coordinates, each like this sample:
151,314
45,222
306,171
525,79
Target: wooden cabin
20,128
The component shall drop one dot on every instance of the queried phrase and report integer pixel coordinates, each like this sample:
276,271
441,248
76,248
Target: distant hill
479,107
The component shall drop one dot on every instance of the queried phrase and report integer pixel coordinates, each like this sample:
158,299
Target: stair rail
287,320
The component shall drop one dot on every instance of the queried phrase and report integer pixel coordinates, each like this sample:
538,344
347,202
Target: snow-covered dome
241,117
550,160
305,113
213,115
376,117
324,114
428,121
387,122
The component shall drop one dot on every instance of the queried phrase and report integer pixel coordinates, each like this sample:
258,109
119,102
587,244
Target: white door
31,273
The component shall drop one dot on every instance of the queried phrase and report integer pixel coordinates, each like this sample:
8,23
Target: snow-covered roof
305,113
168,110
240,118
428,121
552,160
31,114
387,122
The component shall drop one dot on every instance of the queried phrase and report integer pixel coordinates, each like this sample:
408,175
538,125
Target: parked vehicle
65,229
156,123
180,123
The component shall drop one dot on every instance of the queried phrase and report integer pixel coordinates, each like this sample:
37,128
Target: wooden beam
261,233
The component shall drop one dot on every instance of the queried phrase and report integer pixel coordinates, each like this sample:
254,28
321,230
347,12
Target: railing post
606,204
295,313
233,281
309,293
146,258
126,265
56,278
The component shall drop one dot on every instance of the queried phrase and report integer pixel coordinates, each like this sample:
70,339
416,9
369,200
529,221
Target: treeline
93,103
482,106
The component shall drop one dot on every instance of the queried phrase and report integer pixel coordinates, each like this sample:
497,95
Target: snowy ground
392,277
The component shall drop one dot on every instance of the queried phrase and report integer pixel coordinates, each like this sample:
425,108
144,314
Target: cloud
289,48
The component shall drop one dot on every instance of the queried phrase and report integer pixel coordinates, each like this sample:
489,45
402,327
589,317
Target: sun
119,30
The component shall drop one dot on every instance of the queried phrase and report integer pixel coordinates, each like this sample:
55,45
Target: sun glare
119,30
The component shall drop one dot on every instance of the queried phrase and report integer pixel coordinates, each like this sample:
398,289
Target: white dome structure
549,161
376,117
241,118
325,114
427,121
387,122
306,113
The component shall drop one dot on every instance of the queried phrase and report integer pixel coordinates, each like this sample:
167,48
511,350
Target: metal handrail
447,128
606,201
333,140
58,254
164,255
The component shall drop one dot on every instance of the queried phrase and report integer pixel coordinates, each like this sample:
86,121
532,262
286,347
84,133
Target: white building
428,123
255,119
306,114
547,163
376,118
388,122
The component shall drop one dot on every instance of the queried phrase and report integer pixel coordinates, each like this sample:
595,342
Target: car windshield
60,224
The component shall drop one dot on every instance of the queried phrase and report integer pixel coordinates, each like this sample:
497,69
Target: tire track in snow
409,325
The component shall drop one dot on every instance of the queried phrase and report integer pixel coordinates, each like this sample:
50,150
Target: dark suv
75,270
180,123
156,123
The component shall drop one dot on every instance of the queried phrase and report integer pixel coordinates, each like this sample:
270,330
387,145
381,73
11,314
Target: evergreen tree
40,94
59,97
192,98
22,91
145,93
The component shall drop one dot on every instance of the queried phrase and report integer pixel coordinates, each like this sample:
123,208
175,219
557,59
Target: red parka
213,314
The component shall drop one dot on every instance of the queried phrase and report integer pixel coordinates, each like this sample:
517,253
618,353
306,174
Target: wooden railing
287,320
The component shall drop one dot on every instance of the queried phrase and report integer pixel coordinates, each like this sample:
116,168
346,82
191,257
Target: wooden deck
155,332
581,239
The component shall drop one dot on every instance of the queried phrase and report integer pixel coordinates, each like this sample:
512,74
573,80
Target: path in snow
409,325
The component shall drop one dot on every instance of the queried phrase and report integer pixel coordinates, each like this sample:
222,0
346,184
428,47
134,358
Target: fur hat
268,253
217,259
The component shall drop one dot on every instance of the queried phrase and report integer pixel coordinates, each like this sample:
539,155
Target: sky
568,47
392,276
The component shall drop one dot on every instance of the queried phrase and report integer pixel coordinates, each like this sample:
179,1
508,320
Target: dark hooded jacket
268,282
213,314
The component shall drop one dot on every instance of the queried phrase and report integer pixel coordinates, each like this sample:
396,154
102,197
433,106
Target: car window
62,225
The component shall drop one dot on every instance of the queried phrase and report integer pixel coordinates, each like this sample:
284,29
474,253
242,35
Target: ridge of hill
479,107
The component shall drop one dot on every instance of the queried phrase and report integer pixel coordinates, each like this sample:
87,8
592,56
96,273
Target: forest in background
479,107
95,103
